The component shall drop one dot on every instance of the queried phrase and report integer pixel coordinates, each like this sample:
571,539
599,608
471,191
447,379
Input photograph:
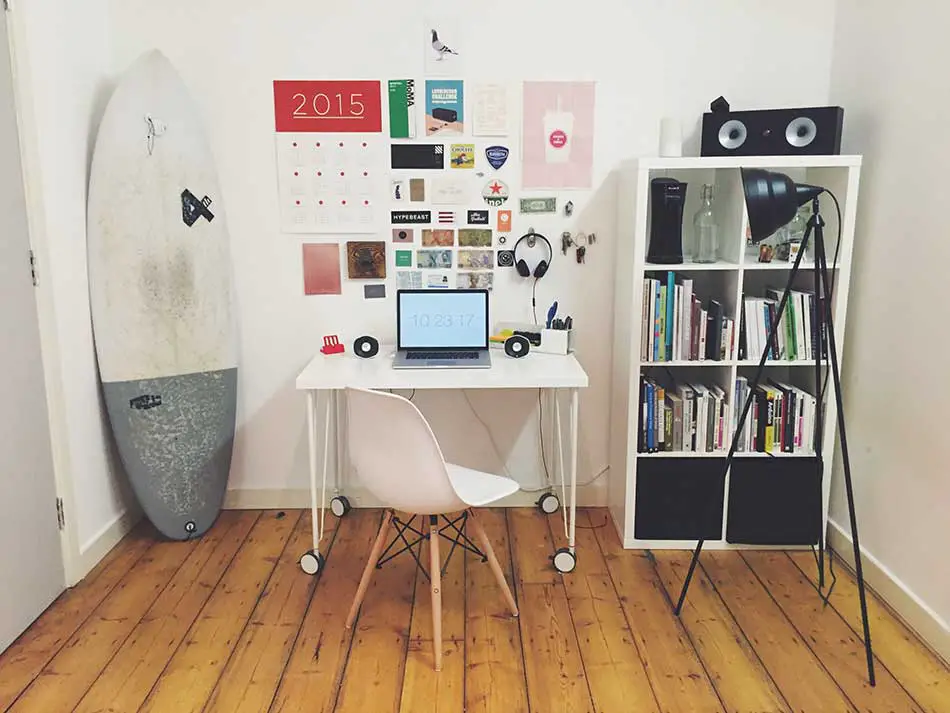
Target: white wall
897,110
63,56
649,58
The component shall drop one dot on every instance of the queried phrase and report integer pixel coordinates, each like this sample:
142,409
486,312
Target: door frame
45,309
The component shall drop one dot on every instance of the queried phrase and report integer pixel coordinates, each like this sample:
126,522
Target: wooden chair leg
493,561
370,566
435,576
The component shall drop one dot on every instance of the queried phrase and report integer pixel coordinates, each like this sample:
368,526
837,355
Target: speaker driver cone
732,134
801,131
366,347
517,346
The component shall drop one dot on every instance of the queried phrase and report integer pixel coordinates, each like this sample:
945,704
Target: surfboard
160,291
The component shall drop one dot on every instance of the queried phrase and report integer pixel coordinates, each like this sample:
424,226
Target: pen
551,312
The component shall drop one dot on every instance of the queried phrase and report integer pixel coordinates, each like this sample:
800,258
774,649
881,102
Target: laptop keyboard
442,355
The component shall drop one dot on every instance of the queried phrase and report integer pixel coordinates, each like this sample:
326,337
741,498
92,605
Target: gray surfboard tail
175,436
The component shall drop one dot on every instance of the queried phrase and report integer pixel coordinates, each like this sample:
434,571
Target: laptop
441,329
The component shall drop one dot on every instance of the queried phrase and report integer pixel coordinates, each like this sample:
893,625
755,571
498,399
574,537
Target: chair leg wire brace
453,530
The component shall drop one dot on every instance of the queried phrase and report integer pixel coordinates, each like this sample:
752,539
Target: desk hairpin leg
340,504
312,562
565,558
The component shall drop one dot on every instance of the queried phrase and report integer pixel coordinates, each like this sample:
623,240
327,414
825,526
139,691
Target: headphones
531,238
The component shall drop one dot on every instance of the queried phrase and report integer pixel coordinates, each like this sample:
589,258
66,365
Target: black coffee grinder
667,199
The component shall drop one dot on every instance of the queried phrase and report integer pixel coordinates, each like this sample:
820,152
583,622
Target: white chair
399,461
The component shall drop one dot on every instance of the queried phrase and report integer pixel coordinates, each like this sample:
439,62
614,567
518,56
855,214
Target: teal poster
445,105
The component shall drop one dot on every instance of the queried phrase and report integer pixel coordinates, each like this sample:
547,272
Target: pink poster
558,135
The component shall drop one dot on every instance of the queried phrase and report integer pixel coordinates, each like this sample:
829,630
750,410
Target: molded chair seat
476,488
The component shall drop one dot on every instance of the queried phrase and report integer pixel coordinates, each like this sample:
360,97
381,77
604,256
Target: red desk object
331,345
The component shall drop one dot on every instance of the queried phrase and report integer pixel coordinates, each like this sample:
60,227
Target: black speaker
809,131
517,346
366,347
667,198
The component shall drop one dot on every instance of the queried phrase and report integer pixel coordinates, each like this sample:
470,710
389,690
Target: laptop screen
437,319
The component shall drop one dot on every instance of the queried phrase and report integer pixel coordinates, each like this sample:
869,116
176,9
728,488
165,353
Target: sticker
450,189
474,280
495,193
504,221
558,139
496,155
477,259
446,217
445,107
474,238
374,292
192,208
437,282
365,260
417,190
438,238
409,280
403,235
478,217
402,108
409,217
434,259
145,402
397,191
502,239
538,205
443,49
463,156
417,156
506,258
404,258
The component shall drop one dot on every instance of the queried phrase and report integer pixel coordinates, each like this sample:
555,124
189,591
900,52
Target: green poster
404,258
402,108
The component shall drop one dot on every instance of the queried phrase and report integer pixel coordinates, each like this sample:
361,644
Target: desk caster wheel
312,562
340,506
564,560
549,504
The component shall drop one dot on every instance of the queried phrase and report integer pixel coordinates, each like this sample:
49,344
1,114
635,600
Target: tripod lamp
772,199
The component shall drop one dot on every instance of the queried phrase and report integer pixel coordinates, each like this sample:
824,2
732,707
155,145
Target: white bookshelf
737,272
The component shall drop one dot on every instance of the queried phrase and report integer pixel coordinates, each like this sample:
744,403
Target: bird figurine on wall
441,49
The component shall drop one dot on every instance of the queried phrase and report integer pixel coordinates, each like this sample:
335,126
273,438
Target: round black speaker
517,346
366,347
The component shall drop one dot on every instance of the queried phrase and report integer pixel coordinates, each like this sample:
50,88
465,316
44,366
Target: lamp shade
772,199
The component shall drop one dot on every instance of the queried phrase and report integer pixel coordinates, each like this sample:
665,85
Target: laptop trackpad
441,362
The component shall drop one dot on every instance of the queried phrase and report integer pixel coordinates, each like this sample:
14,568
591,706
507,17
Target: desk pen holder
553,341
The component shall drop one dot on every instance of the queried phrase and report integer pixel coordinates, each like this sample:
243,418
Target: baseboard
293,498
100,544
906,605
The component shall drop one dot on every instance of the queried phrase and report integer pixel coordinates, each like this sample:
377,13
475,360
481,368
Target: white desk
330,374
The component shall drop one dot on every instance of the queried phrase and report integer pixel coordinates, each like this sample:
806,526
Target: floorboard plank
23,660
377,661
249,681
920,671
125,682
743,684
312,677
615,672
424,689
191,674
676,674
555,671
73,670
494,660
841,652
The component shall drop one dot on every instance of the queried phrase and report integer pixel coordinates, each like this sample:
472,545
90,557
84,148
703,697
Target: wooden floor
230,623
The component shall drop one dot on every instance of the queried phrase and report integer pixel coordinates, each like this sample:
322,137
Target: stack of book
682,417
780,420
796,337
676,326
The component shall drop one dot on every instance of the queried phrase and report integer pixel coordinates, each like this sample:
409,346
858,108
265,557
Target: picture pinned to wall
437,281
445,217
445,107
398,191
409,280
434,259
417,190
402,108
477,217
477,259
450,189
538,205
462,156
504,221
417,156
438,238
444,45
474,238
329,183
374,292
332,106
489,109
321,269
506,258
403,235
410,217
475,280
366,260
557,135
403,258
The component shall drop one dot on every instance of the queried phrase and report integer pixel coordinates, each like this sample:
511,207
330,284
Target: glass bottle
705,229
796,231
